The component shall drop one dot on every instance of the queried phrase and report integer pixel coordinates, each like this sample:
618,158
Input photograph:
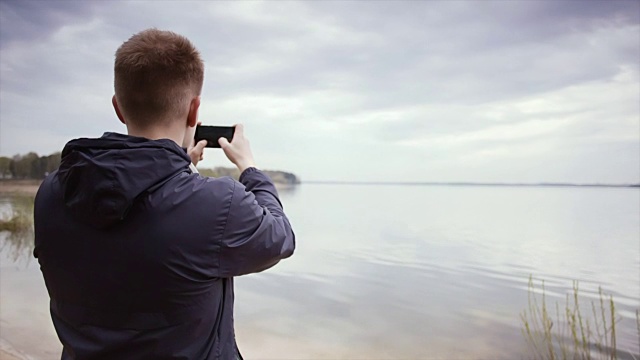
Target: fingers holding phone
213,133
196,152
232,141
195,148
238,150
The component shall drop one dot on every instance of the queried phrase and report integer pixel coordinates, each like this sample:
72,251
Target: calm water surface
404,272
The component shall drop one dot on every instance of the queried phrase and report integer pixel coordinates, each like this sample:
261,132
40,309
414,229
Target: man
138,252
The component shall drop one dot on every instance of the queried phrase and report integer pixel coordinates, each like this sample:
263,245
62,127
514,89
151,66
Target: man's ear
117,109
192,117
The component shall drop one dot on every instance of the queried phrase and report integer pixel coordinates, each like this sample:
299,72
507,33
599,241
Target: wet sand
28,187
7,356
7,352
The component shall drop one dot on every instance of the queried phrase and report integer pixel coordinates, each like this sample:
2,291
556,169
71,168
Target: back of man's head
156,75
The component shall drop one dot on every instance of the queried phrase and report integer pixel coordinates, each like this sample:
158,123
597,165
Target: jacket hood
101,177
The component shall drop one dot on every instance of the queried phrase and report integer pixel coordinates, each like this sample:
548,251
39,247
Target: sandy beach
29,187
6,353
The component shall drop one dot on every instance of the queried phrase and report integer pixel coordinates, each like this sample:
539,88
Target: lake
400,272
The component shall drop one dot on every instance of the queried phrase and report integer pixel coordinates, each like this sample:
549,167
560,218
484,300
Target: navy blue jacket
138,254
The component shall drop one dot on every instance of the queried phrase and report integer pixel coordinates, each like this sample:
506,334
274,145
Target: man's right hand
238,150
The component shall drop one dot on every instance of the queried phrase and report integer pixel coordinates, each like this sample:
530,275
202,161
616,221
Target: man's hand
196,152
238,150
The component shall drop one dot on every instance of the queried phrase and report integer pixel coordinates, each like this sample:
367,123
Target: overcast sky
513,91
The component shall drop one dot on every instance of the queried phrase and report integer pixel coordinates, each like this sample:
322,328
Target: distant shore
30,187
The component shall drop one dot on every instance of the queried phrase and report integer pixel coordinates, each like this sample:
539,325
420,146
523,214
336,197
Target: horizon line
469,183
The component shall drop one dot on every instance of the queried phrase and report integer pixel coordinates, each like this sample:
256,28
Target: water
392,271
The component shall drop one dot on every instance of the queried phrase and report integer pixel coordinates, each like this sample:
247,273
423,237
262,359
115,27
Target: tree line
280,177
29,166
32,166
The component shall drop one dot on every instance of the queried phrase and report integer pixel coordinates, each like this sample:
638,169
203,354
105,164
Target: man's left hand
196,152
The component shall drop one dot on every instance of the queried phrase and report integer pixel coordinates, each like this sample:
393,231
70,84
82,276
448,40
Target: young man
138,252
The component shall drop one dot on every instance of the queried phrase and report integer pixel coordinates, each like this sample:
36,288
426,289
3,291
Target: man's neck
155,133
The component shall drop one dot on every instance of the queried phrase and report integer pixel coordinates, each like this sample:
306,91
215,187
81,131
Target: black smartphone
213,133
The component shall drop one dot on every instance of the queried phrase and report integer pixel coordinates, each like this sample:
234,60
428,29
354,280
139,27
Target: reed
16,231
570,333
17,223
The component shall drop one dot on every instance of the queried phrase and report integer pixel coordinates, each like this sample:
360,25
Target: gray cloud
32,20
391,83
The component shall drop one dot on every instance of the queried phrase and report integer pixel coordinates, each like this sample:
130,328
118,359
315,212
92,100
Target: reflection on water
16,227
25,324
383,272
424,272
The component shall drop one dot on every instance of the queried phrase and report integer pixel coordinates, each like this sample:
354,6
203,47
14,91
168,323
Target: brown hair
156,74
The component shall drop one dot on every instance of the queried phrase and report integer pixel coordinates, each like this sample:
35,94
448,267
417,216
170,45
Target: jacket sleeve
257,234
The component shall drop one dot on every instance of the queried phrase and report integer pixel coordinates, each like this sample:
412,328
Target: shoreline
30,187
8,352
6,355
17,187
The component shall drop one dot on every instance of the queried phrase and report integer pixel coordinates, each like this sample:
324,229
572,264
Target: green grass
570,333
